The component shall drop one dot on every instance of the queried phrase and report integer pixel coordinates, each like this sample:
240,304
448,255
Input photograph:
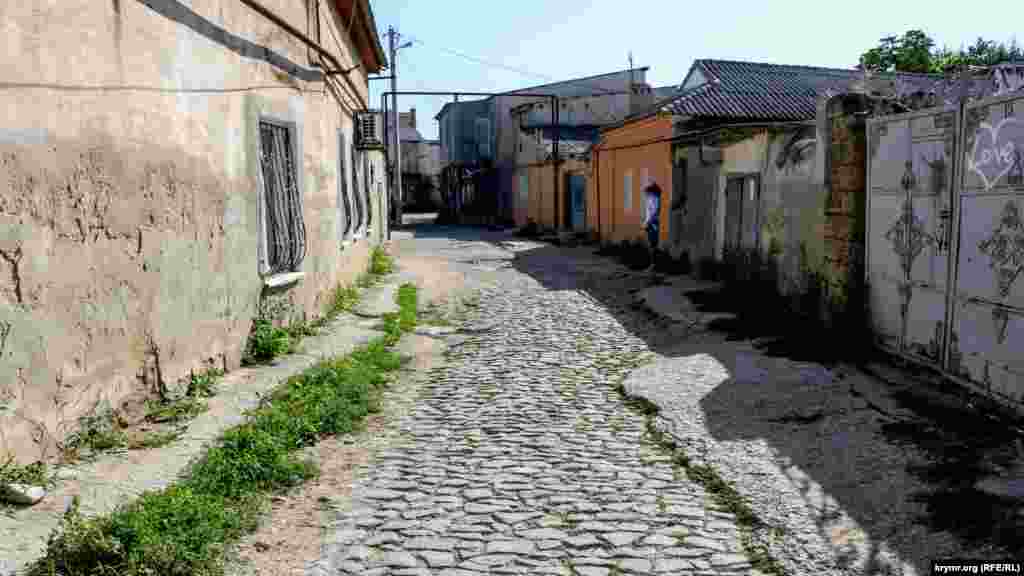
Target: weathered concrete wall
792,219
129,199
697,230
639,148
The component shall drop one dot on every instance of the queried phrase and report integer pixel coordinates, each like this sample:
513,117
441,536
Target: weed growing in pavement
343,299
266,342
36,474
97,432
720,491
381,263
152,440
175,411
183,529
201,385
403,321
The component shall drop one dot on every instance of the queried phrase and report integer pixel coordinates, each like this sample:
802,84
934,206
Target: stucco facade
131,215
630,155
536,199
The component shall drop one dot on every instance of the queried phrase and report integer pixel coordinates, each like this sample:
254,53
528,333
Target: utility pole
396,162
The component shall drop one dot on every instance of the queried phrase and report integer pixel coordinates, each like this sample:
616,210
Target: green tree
910,53
915,52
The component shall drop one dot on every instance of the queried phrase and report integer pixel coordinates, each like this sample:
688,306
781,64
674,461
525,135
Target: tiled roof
755,91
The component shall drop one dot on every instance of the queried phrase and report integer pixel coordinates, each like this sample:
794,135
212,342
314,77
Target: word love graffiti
998,151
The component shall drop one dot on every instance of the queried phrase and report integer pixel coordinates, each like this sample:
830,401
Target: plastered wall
638,149
129,199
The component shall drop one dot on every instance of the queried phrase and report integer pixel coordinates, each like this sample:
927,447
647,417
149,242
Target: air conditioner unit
369,130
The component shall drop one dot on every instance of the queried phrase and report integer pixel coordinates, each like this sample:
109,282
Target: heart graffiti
996,150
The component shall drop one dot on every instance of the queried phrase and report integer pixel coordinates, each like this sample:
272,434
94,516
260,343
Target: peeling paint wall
129,194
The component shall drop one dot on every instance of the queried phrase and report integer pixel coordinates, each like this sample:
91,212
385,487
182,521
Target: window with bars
357,203
284,231
368,187
344,202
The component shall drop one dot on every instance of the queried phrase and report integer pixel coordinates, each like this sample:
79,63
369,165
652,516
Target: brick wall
844,209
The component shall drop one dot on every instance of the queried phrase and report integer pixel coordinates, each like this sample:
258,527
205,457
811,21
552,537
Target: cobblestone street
521,456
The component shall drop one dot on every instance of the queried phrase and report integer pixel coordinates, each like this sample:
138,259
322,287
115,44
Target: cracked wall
128,204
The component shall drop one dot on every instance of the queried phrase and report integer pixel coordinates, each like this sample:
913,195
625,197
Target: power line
521,71
484,62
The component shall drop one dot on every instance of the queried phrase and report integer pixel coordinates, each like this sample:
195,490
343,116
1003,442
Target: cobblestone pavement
522,457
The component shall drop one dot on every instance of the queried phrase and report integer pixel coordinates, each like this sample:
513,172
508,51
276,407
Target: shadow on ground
900,457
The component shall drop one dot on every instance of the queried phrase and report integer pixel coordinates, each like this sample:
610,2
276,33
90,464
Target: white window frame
262,247
627,191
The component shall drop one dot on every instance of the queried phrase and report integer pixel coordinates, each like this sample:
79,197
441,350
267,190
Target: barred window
284,230
356,202
368,174
344,202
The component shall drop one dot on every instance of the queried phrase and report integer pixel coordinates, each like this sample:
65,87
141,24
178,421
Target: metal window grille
285,229
368,170
344,203
356,202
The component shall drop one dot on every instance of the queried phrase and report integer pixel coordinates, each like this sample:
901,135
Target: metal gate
945,240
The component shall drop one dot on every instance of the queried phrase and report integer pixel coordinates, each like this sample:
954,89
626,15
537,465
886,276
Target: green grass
266,342
97,432
184,529
152,440
343,299
176,411
381,263
398,323
200,386
36,474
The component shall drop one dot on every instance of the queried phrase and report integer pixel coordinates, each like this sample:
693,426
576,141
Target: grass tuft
36,474
266,342
396,324
381,263
183,529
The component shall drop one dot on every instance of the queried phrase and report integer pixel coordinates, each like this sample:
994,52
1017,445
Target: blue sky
562,39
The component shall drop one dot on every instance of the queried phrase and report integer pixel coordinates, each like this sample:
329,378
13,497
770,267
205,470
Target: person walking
652,194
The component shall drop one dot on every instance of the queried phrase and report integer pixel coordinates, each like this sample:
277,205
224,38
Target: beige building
169,170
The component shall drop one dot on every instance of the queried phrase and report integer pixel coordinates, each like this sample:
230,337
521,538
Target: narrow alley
528,450
522,457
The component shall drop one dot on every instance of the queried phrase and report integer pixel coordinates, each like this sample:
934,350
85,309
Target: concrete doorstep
114,478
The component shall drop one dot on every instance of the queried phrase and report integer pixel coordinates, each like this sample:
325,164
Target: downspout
262,10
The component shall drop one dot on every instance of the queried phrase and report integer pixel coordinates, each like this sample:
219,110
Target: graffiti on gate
998,151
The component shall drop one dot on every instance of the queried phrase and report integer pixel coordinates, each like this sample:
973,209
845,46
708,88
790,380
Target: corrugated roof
756,91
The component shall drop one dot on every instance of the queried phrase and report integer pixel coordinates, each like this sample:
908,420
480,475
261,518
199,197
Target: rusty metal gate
945,240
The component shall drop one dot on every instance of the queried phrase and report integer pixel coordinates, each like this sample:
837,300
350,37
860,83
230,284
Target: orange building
623,162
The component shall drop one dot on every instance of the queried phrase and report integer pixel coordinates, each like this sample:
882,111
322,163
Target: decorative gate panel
889,146
932,146
988,312
910,183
